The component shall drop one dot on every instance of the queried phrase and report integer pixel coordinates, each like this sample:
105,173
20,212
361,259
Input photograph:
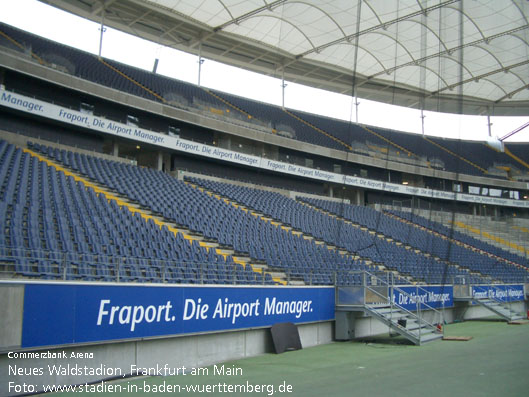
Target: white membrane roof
456,56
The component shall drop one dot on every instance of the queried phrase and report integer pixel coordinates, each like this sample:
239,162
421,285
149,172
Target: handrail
62,265
402,291
392,288
495,288
407,312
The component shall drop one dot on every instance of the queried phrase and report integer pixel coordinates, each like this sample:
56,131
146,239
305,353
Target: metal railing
58,265
379,290
495,292
464,287
421,306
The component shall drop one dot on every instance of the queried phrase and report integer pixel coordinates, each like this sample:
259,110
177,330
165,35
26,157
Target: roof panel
416,45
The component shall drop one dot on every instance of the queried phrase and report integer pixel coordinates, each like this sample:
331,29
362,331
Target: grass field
494,363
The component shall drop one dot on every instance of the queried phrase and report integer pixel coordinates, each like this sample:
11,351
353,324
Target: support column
167,162
200,62
159,165
283,86
359,200
102,30
115,149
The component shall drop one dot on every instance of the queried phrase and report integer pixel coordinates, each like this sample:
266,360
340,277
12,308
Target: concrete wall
11,310
190,351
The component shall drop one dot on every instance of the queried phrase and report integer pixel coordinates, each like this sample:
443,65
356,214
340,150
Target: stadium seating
336,232
54,227
203,213
472,158
463,238
445,244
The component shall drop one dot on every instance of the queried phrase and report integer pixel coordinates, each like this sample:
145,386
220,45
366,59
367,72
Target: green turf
494,363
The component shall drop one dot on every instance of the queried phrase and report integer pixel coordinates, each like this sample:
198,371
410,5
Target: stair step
259,267
487,301
280,275
244,259
383,310
430,337
297,282
395,316
225,251
411,326
387,311
424,331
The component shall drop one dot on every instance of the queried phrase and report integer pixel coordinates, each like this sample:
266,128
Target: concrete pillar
167,162
224,142
115,149
159,164
359,200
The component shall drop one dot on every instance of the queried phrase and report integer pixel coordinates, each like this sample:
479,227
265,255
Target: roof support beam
104,4
513,93
249,14
450,51
482,76
383,25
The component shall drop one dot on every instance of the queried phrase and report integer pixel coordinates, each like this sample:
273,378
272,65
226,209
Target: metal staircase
375,297
496,300
406,323
500,308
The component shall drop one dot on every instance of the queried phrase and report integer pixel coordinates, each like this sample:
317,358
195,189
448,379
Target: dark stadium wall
72,98
53,132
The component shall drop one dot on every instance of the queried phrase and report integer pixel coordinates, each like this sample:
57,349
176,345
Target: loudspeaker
285,337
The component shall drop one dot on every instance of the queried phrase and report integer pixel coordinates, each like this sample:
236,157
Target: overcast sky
47,21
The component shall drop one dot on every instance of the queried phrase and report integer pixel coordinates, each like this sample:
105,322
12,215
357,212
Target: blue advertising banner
65,314
429,297
503,293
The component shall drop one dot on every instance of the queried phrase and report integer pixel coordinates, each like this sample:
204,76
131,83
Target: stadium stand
56,227
189,206
462,157
207,214
313,240
445,244
378,250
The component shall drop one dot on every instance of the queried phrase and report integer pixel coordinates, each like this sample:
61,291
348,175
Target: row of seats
54,227
68,231
201,212
336,232
446,244
462,237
